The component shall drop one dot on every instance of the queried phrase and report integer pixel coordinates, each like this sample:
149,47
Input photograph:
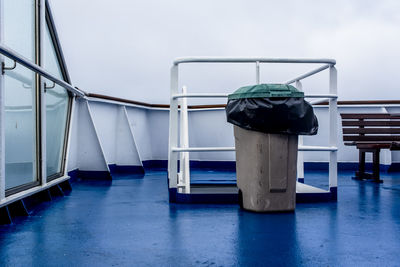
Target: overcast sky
125,48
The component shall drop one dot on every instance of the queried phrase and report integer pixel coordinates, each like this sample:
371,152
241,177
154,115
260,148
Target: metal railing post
42,96
184,172
333,136
258,72
2,110
173,129
300,154
71,125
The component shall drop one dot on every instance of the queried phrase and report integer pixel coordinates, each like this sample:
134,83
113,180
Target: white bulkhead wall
109,135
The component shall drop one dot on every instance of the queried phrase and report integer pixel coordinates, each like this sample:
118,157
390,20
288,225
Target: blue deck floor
129,222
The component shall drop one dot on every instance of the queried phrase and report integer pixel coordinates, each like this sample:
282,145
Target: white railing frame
300,154
2,111
184,172
181,181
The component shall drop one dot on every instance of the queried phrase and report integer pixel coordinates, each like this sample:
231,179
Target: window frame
40,111
65,75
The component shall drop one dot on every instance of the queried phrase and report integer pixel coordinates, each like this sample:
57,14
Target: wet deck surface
129,222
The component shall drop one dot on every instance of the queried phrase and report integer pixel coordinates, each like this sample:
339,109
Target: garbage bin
267,120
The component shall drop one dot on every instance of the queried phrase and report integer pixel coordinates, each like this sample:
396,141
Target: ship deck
129,221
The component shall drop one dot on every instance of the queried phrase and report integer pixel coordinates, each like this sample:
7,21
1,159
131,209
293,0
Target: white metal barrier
178,125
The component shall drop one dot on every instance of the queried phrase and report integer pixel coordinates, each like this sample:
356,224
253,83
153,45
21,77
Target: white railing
181,180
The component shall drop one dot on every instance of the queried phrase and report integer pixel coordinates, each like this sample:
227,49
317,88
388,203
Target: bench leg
375,168
361,174
361,165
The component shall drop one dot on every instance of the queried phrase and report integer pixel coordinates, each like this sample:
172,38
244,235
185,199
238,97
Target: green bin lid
266,90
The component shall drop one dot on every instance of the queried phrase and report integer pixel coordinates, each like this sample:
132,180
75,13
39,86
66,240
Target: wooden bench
371,132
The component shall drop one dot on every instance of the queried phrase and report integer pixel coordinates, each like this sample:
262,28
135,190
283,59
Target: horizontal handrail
325,96
222,149
317,148
205,95
321,101
37,69
251,60
126,101
202,149
200,95
190,107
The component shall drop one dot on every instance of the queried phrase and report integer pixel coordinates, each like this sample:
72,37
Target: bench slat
369,116
373,146
371,130
374,138
368,142
371,123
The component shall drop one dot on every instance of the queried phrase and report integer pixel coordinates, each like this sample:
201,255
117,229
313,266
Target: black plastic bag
291,115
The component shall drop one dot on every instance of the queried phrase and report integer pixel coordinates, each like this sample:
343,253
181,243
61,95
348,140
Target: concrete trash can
266,170
267,120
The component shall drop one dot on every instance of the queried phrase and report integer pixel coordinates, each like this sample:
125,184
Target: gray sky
126,48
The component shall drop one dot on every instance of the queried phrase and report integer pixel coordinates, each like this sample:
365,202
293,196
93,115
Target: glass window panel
56,111
19,26
20,133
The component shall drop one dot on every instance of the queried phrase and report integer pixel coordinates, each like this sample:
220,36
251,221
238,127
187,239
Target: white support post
71,124
42,108
90,155
173,130
2,125
184,172
96,132
299,85
333,137
258,72
300,154
132,135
